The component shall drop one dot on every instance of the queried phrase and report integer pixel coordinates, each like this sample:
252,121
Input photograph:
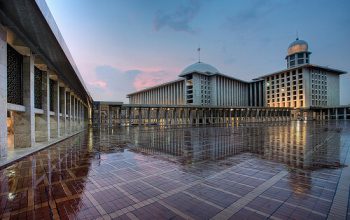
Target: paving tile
186,173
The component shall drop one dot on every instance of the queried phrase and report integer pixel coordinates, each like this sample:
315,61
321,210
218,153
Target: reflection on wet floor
256,170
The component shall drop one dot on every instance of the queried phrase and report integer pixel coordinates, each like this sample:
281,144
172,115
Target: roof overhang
336,71
33,23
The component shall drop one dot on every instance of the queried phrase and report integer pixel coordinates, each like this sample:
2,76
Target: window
300,55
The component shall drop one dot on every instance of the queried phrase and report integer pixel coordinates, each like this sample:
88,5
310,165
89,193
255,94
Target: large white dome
200,67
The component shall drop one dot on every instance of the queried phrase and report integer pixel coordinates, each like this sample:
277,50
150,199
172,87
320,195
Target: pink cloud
149,79
99,83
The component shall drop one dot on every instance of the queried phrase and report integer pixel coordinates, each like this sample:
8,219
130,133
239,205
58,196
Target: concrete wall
333,93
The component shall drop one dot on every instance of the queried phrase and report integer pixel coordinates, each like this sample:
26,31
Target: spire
199,53
297,35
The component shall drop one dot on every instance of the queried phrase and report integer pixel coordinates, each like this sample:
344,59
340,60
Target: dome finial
199,53
297,36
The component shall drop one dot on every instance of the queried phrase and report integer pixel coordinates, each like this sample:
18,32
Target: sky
121,46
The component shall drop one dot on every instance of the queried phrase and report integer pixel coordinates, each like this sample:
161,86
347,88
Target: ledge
16,108
38,111
17,154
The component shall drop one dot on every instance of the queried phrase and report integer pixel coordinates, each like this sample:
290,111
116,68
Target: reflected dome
200,67
298,46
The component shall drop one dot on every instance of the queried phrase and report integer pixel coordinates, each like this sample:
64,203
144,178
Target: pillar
71,115
157,115
24,122
42,122
166,116
344,113
204,116
3,91
120,115
190,115
140,116
149,116
183,121
129,115
75,113
336,113
64,111
224,116
175,116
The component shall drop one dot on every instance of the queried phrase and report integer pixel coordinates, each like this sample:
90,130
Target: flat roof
303,66
109,102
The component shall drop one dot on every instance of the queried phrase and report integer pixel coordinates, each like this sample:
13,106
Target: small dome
200,68
298,46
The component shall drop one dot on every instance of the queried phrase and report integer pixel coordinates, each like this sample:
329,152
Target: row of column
323,114
61,114
177,116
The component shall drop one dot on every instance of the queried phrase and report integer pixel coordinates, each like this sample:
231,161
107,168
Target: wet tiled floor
274,170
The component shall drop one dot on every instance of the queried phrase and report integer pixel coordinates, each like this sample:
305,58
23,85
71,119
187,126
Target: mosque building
301,85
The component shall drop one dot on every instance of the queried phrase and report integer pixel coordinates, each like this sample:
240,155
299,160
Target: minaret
298,54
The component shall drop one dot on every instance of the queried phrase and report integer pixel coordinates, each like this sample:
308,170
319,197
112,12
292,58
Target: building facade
43,98
202,84
301,85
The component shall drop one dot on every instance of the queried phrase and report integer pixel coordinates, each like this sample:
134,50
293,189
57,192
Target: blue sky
121,46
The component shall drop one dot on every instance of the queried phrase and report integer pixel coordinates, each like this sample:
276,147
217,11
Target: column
42,122
24,122
63,109
157,115
204,116
190,116
166,116
70,113
3,92
57,107
336,113
149,115
120,115
140,116
129,115
78,115
224,116
175,116
184,116
73,113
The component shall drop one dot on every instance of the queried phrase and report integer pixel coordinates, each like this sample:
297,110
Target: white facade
202,84
301,85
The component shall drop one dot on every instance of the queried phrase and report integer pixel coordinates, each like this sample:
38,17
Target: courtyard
274,170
